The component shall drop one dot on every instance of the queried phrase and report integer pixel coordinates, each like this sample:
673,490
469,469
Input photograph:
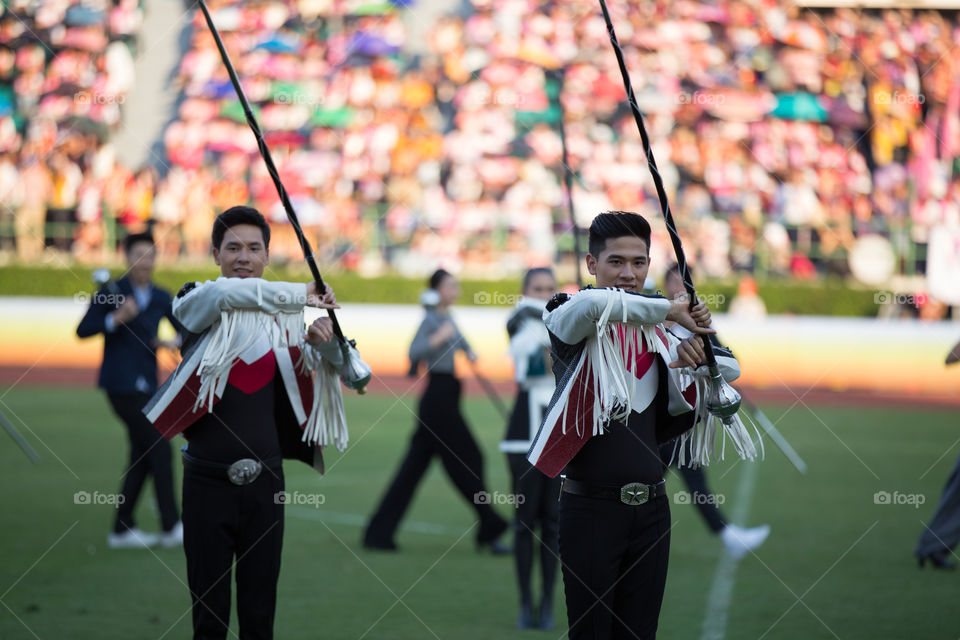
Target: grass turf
836,564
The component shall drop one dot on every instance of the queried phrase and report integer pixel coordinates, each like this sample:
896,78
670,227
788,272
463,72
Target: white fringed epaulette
612,391
237,330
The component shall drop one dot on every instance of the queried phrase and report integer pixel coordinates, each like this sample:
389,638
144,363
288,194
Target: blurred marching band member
624,385
441,430
941,536
253,388
535,494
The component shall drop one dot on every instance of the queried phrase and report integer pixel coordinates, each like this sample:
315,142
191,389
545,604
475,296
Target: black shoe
495,547
377,544
525,619
938,560
546,616
491,530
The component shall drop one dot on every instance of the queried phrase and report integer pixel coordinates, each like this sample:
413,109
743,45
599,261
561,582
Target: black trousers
614,561
149,455
441,431
537,512
226,525
696,481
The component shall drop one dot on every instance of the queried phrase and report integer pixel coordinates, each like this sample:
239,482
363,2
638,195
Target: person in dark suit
127,312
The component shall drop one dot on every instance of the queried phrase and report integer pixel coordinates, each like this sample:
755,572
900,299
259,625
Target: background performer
440,431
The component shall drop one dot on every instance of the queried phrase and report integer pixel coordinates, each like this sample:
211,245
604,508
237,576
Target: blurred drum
872,260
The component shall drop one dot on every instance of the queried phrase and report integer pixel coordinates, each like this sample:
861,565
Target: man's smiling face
242,253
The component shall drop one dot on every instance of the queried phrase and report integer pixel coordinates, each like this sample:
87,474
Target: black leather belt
633,493
239,473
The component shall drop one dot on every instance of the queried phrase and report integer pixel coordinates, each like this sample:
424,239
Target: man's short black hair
617,224
134,238
239,215
438,276
533,273
674,269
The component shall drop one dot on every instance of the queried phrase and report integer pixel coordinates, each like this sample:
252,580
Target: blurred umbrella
841,114
280,44
368,44
217,89
799,106
234,111
336,118
738,106
288,92
86,126
290,138
373,9
6,101
81,16
527,119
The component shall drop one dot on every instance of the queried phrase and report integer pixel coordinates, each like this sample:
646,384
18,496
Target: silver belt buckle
634,493
244,471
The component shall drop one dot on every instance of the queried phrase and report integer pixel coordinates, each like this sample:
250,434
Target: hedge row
830,297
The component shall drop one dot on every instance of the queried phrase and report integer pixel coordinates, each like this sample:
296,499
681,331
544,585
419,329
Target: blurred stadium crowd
782,134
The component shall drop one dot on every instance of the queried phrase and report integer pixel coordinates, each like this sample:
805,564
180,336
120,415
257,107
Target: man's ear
591,264
216,255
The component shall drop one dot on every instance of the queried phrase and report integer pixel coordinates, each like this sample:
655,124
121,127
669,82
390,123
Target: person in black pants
535,494
619,394
940,537
127,312
244,403
440,431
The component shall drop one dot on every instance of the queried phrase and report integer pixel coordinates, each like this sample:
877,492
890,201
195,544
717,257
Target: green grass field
837,565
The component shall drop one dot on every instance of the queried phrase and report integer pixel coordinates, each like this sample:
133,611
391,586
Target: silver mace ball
355,373
101,276
723,401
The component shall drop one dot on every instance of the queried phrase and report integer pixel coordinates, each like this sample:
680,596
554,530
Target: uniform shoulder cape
610,357
239,322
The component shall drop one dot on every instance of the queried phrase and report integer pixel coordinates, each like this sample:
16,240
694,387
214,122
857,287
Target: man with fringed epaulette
624,385
253,388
